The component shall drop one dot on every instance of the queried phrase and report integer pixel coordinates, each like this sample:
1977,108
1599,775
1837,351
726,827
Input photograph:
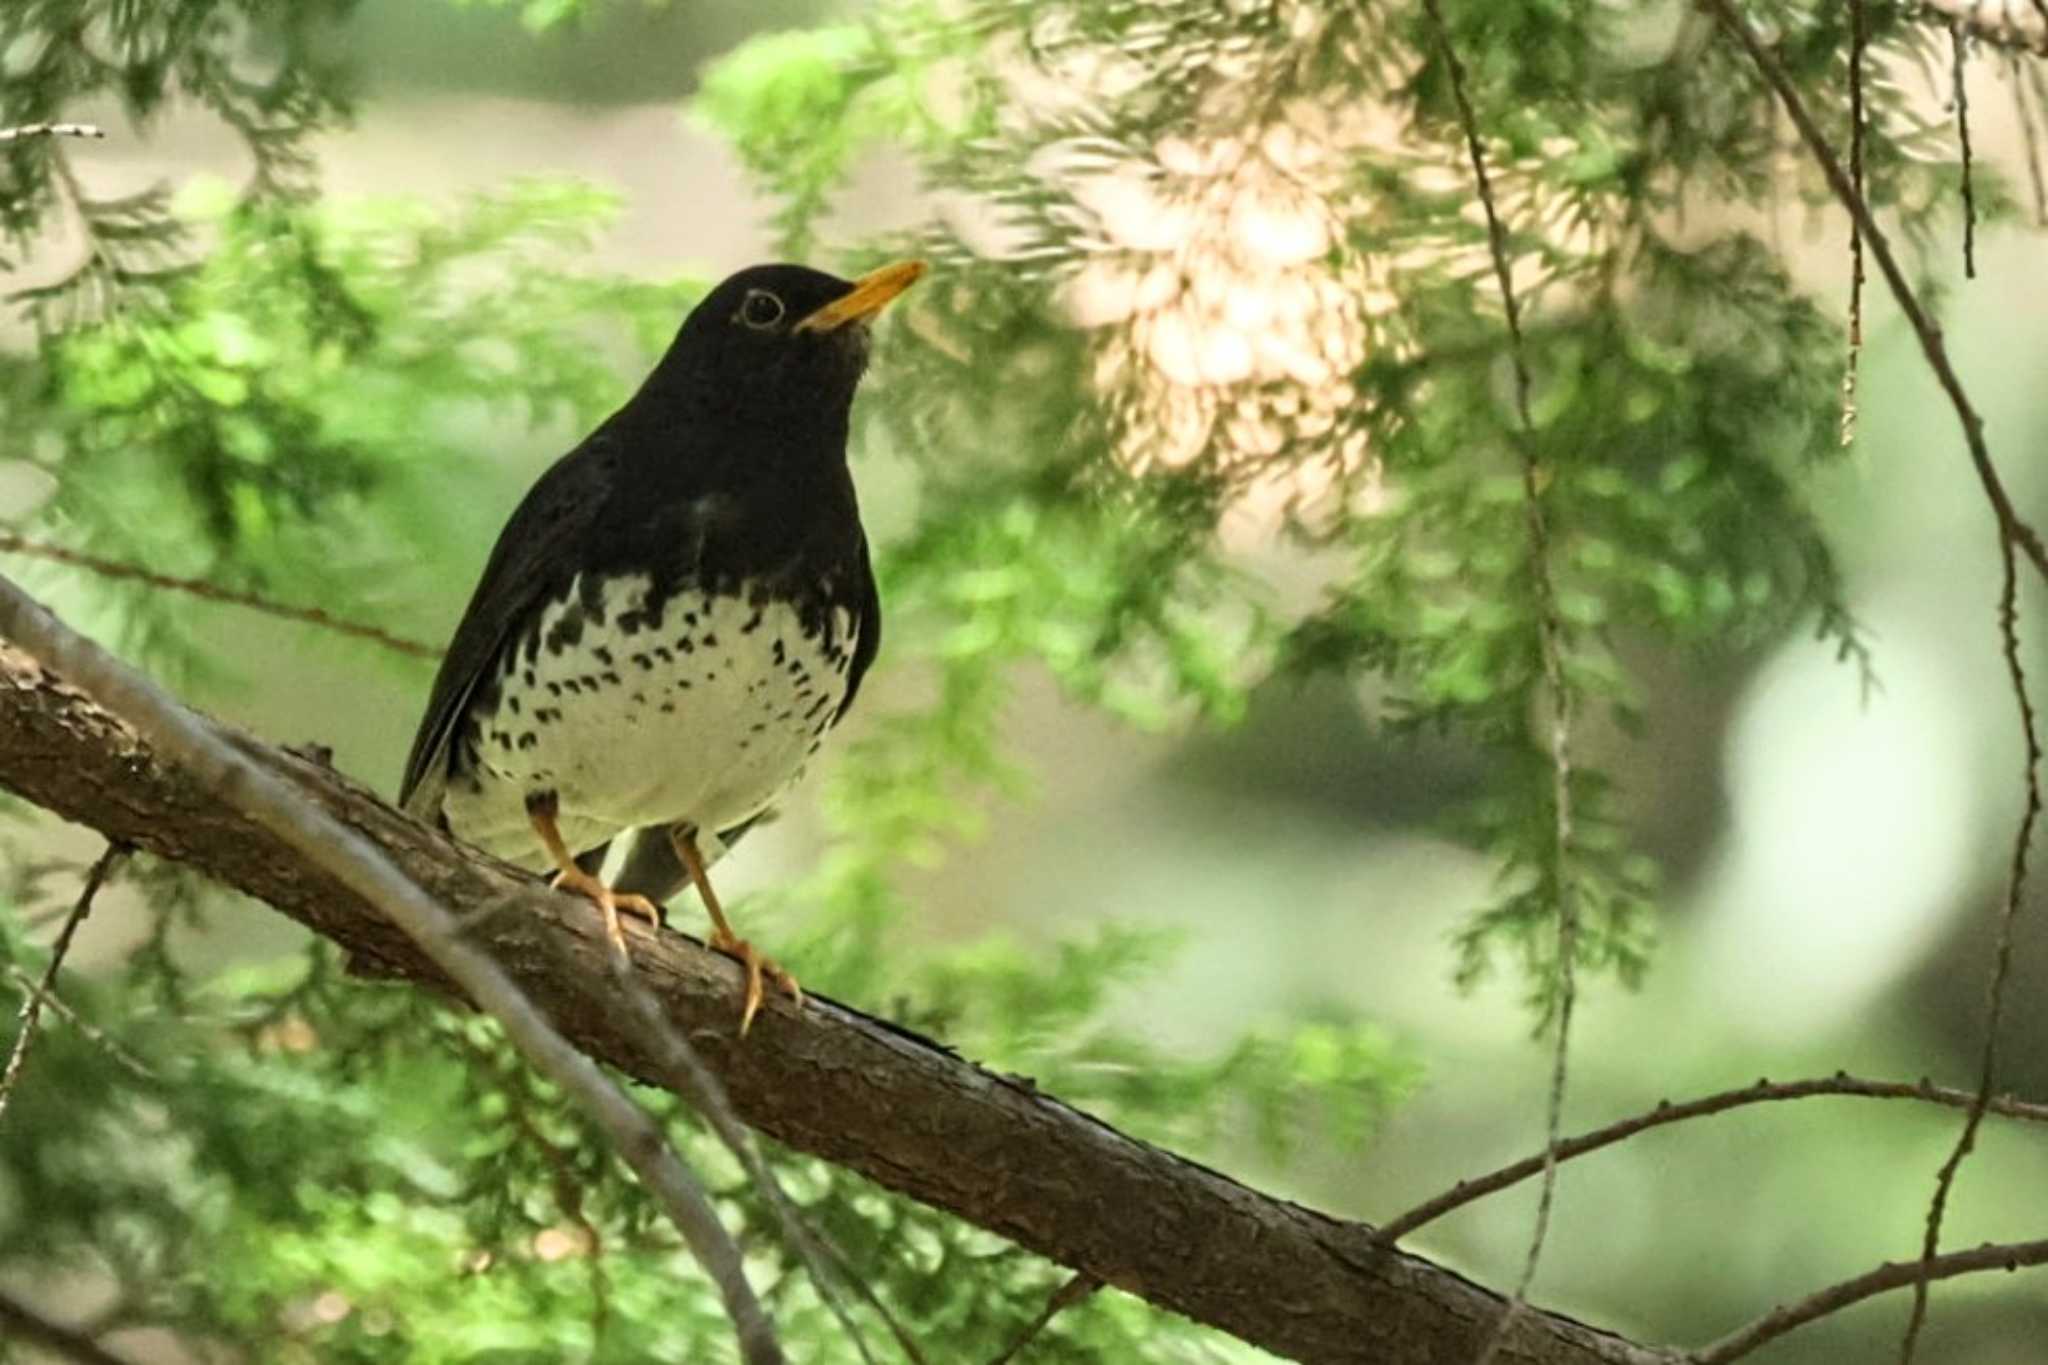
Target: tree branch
1763,1092
824,1079
2010,524
1889,1276
256,793
14,543
32,1006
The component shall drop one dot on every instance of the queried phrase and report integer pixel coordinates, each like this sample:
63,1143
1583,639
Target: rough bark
824,1079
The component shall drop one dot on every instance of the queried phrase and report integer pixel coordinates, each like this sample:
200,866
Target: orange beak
871,293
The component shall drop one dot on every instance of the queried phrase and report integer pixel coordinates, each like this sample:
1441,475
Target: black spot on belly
753,623
527,741
566,631
512,705
554,689
602,655
611,677
710,640
645,661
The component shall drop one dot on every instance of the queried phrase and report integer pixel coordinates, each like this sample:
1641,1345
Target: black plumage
678,610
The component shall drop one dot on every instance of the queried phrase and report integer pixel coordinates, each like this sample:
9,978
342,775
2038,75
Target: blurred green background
1833,862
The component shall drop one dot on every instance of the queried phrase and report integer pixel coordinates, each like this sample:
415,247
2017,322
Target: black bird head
778,342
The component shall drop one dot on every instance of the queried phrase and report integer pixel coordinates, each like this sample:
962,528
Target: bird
675,616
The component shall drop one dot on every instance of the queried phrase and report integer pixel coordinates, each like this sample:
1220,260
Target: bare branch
15,543
1959,43
857,1091
32,1007
1763,1092
266,799
1550,644
1889,1276
87,1029
2014,535
2010,523
1859,43
2001,958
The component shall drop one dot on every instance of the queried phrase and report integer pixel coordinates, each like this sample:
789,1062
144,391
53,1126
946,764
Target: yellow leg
569,877
722,936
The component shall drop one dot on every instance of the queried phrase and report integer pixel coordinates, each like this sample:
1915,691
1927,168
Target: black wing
869,638
532,562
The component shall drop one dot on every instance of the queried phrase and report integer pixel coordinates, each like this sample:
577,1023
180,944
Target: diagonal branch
266,799
1887,1277
12,542
1763,1092
2010,523
32,1006
822,1079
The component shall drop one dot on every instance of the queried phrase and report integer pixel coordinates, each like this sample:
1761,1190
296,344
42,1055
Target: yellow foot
757,967
575,879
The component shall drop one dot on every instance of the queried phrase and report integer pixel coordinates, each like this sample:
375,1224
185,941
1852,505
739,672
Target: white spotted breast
702,709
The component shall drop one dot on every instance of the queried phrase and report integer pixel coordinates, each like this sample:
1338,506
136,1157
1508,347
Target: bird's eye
761,309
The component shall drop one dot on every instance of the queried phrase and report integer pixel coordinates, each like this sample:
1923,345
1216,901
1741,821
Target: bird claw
610,902
758,967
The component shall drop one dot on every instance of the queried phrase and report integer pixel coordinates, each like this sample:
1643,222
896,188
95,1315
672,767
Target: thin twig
1889,1276
1763,1092
32,1008
1549,640
15,543
684,1072
2014,535
28,130
1077,1288
87,1029
2001,958
2011,524
360,866
24,1323
1960,43
1859,41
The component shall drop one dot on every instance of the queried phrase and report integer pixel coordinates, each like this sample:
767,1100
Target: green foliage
1186,308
